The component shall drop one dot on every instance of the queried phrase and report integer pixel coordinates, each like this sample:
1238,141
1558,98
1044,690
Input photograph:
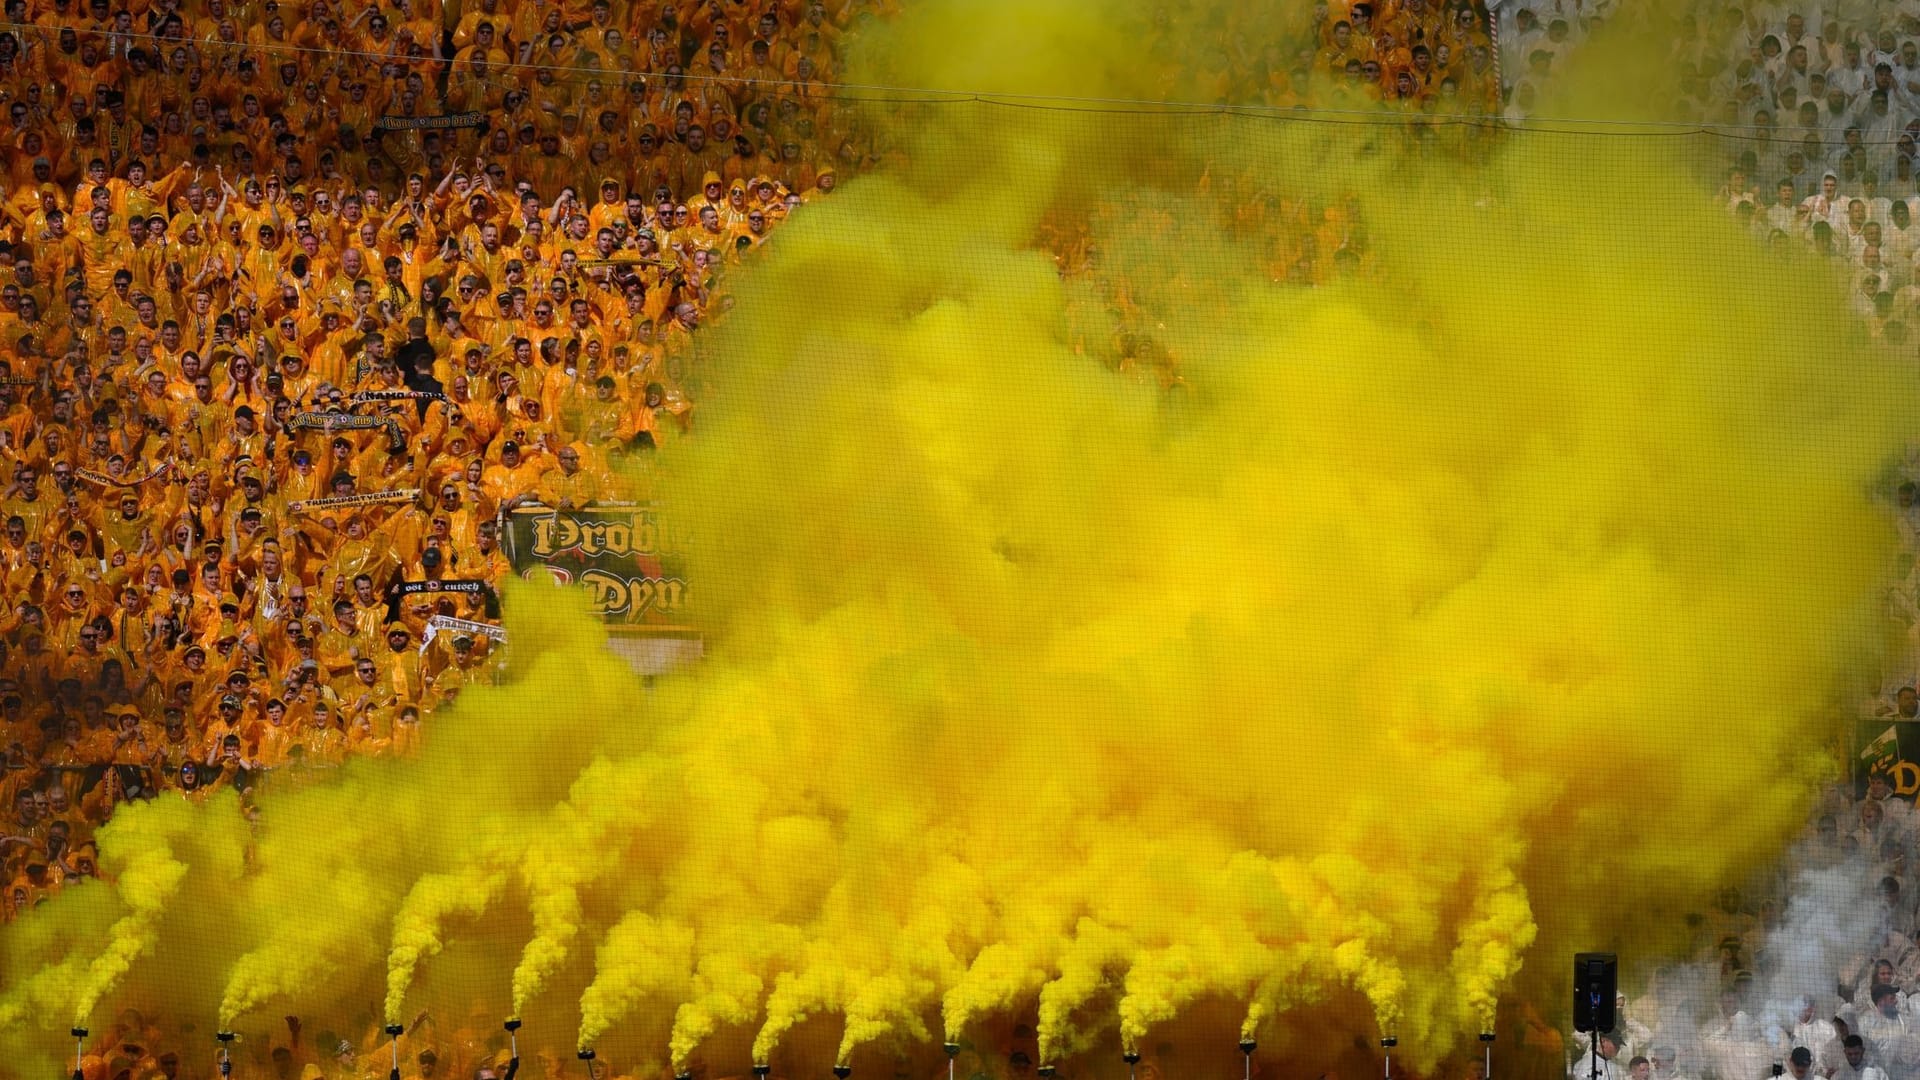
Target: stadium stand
297,299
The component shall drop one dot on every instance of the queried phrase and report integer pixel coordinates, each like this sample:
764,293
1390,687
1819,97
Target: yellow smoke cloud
1165,650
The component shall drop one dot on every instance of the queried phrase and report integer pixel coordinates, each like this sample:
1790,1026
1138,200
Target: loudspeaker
1595,981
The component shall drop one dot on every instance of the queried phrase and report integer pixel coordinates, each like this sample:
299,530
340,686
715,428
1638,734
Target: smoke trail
146,874
556,920
819,985
1083,971
1831,912
886,1005
922,961
1000,977
1492,943
470,801
642,957
1162,983
417,926
610,799
728,984
304,954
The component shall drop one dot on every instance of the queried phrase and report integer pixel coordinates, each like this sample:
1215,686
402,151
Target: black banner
335,421
431,123
400,589
621,554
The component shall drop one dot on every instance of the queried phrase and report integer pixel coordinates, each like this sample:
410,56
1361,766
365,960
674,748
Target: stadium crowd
1818,107
1431,55
293,302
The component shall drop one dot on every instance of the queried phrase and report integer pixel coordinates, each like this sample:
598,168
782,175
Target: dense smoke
1162,646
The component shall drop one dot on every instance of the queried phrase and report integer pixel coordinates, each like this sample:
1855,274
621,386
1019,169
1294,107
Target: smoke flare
417,926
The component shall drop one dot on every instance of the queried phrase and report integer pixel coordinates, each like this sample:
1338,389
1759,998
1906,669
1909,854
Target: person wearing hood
1598,1063
573,484
1890,1033
1827,204
1807,1031
1855,1063
1666,1064
1739,1049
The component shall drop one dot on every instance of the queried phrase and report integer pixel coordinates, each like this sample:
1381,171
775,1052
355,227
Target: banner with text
1889,745
626,559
